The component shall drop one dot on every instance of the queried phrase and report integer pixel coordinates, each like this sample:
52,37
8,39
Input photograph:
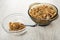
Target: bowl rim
44,3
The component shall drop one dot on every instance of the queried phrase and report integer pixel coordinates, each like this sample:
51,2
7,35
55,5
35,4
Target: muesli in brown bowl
43,13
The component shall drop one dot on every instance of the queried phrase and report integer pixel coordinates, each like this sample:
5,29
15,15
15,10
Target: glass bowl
13,18
39,21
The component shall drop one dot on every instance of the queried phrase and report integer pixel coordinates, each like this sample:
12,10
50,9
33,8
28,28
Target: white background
51,32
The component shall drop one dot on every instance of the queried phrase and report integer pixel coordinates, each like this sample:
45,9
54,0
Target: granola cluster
42,12
15,26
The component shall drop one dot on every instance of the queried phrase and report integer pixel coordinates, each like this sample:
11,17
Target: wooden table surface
50,32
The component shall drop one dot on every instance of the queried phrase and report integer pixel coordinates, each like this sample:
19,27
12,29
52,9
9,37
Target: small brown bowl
43,22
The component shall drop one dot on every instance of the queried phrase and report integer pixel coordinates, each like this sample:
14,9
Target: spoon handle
31,25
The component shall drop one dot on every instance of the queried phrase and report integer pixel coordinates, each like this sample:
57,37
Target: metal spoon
31,25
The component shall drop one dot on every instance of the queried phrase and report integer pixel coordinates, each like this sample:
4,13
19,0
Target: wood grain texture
50,32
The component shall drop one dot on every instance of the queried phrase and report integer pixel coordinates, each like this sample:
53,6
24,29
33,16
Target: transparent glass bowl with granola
43,13
14,24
